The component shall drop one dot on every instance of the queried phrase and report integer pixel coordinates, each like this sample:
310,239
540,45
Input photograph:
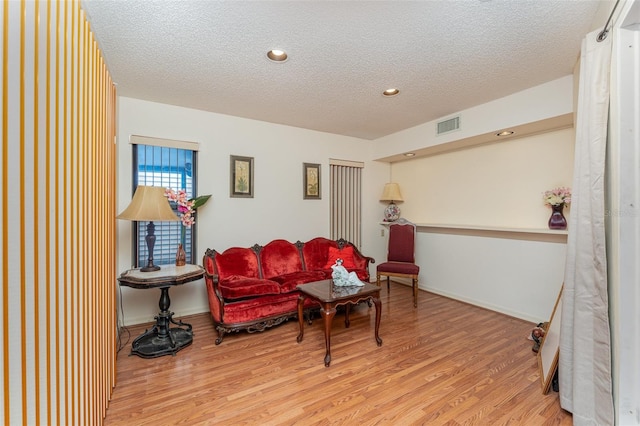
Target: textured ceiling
443,55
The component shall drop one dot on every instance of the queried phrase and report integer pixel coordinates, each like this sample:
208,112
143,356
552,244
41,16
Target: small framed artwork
241,177
550,347
311,181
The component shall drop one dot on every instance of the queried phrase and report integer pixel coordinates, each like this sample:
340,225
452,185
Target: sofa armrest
216,301
367,259
360,259
211,280
213,277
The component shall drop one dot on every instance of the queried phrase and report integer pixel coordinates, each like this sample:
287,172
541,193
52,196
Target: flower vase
557,219
181,256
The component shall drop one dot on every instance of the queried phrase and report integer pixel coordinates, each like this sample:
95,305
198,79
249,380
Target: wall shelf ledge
533,234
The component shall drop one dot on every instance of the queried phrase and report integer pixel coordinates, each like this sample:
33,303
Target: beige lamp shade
149,204
391,192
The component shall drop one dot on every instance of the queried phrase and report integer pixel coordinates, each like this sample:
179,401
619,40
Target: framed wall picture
241,177
550,347
311,181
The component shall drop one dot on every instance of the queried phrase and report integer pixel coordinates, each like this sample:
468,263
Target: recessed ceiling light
277,55
505,133
409,154
391,92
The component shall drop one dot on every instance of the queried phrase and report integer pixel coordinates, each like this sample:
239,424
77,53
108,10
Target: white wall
539,103
277,209
518,277
529,272
497,185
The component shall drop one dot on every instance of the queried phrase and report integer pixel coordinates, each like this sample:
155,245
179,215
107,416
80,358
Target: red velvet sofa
255,288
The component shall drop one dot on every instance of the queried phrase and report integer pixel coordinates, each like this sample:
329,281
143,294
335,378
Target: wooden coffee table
330,297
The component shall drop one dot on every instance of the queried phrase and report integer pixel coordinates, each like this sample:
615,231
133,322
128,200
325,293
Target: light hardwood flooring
444,363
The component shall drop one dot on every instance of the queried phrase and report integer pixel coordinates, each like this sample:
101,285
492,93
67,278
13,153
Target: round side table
162,339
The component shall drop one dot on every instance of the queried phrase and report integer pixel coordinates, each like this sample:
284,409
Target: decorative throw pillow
346,254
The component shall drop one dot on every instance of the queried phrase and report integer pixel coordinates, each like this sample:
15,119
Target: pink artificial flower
187,221
170,194
186,207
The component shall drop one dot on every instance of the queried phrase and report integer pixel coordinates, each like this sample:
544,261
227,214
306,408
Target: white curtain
585,351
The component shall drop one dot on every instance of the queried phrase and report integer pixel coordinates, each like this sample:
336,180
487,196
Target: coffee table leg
347,310
327,315
300,317
376,301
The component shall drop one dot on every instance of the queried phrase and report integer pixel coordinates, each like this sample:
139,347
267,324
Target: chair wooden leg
414,283
388,288
378,280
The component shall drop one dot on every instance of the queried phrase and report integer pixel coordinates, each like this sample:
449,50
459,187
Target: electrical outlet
382,232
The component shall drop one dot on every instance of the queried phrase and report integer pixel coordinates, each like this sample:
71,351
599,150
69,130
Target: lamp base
391,213
150,268
151,241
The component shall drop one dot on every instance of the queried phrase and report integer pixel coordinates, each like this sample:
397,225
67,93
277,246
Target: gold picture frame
549,350
241,177
311,181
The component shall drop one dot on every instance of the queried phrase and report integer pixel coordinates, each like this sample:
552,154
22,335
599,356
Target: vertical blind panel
346,203
57,217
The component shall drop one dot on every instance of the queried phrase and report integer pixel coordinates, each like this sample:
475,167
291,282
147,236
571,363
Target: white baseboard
495,308
131,320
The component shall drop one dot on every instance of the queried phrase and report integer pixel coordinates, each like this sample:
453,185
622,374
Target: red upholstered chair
400,257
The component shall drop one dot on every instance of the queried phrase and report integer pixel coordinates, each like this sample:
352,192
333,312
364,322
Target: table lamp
391,192
149,204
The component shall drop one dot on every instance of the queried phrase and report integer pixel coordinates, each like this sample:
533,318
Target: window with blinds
173,168
346,200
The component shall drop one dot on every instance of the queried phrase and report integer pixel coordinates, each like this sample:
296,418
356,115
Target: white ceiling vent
449,125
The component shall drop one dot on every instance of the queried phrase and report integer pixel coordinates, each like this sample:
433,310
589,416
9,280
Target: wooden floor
444,363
